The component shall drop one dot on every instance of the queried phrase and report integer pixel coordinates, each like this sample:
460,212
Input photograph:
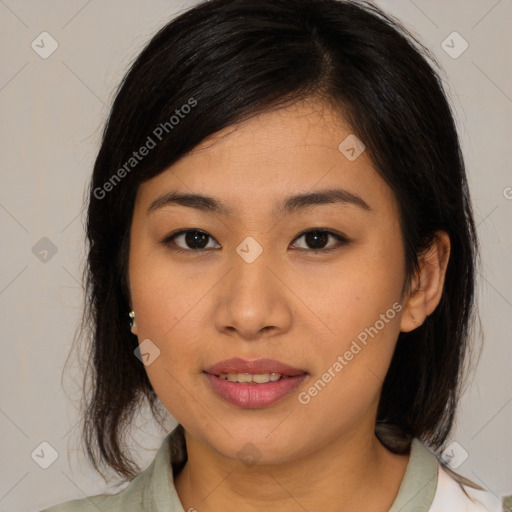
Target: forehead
299,124
291,149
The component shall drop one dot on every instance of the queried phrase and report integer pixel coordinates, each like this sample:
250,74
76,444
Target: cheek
172,307
360,311
167,310
349,366
168,318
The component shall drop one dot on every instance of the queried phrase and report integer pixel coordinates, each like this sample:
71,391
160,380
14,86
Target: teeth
256,378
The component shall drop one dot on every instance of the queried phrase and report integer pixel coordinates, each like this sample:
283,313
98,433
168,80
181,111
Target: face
315,285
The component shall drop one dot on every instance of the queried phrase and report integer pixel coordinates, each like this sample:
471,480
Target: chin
258,447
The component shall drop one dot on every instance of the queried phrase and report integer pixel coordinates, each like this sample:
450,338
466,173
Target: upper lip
237,365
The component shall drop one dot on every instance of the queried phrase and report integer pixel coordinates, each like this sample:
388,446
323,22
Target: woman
282,254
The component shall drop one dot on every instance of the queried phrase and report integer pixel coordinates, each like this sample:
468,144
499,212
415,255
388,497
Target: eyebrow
290,204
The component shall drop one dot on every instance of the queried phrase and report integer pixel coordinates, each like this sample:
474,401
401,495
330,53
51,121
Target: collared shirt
425,487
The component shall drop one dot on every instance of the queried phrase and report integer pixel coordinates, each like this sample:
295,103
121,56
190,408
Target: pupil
193,238
313,237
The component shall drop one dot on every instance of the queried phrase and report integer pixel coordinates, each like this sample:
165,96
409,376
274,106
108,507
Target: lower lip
254,395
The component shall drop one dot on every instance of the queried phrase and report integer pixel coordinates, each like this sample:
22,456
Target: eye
194,240
318,238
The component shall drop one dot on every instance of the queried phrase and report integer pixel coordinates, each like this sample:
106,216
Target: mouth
253,384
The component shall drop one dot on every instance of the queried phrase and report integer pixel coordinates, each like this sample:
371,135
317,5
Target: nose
253,301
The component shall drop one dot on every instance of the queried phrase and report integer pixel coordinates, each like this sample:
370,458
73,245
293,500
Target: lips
258,366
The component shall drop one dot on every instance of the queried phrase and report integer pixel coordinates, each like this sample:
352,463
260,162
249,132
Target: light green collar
419,483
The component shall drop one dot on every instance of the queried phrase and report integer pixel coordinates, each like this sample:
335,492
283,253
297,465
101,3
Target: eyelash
341,239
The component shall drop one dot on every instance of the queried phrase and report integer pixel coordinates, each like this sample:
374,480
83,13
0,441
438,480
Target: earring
131,314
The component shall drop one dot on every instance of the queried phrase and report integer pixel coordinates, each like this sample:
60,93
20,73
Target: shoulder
450,496
150,490
125,500
137,492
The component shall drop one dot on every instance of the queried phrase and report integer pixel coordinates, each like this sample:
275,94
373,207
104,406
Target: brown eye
317,240
194,240
189,240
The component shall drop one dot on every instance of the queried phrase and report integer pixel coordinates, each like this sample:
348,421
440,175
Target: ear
426,285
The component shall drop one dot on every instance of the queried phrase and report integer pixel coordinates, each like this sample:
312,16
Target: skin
290,304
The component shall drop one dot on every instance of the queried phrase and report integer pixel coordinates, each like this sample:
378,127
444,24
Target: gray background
52,114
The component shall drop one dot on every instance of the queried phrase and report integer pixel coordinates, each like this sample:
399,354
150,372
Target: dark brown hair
238,58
